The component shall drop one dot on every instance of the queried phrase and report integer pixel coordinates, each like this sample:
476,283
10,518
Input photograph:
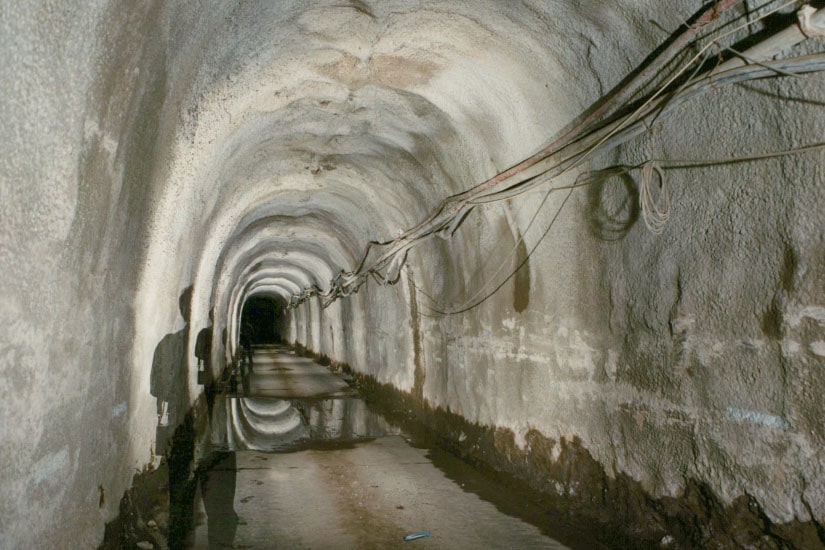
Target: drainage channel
297,459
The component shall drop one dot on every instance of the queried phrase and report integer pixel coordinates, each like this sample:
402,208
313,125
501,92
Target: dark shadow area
259,319
781,96
247,364
177,428
217,489
185,476
174,443
175,435
521,281
182,486
771,25
613,206
203,350
168,380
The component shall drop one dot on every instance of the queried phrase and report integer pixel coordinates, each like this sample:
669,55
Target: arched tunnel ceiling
322,127
299,243
280,294
357,119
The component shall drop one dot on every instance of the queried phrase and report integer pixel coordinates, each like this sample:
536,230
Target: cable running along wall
608,125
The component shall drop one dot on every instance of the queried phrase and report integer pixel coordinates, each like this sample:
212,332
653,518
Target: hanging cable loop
655,205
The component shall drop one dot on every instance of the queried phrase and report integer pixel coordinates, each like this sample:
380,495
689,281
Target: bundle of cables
607,126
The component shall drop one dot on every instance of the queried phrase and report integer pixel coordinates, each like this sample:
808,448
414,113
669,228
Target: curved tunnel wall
232,145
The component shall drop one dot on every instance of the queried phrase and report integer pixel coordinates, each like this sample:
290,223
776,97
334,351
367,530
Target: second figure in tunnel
203,350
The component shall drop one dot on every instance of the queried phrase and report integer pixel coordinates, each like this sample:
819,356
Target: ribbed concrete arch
303,263
313,268
306,269
292,280
265,276
273,289
283,276
316,255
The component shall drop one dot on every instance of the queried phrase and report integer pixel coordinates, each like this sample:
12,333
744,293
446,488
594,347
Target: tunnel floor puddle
316,467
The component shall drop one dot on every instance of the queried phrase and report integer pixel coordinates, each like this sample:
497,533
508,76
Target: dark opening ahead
261,314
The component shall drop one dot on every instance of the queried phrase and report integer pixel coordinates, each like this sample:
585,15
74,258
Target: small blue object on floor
408,538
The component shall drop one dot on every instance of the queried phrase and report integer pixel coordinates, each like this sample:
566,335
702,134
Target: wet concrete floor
300,461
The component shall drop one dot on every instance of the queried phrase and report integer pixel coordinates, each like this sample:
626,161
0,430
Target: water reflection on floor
316,471
268,425
280,425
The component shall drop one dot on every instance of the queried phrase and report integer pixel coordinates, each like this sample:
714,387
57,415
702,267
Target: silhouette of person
203,349
169,383
168,380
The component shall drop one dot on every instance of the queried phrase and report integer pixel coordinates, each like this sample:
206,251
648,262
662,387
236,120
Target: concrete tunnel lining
164,146
302,265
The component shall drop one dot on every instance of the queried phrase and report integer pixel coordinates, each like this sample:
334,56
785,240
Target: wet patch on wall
415,321
144,512
521,284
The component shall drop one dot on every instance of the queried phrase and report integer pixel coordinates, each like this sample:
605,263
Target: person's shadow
217,485
203,350
175,436
168,382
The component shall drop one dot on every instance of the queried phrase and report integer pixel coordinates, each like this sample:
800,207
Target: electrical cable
658,210
503,262
655,211
584,142
513,250
513,273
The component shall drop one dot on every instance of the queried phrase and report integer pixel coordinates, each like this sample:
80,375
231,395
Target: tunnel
582,241
261,314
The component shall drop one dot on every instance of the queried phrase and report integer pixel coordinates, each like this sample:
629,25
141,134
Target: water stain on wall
521,286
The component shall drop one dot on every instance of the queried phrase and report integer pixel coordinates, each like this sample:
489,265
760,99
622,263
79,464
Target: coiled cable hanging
655,205
657,209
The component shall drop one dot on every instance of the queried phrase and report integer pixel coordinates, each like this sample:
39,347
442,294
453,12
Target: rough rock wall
716,325
80,96
242,148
